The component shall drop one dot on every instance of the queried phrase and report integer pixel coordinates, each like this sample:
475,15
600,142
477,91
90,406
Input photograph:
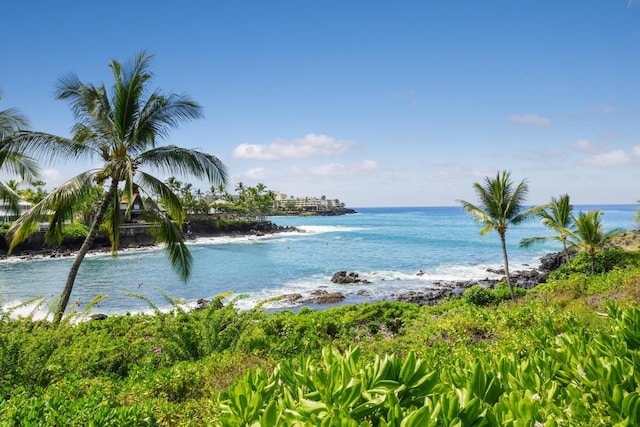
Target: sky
376,103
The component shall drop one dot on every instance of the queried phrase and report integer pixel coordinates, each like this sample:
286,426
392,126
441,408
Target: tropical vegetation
557,216
13,163
122,126
566,353
501,205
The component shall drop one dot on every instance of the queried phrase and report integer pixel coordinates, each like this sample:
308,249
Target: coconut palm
589,235
13,163
558,216
501,205
122,127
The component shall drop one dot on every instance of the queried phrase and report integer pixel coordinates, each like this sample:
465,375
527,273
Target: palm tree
121,126
501,205
14,163
589,235
558,216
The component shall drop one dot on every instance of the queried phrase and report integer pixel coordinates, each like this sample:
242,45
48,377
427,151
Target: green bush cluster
75,230
481,296
605,261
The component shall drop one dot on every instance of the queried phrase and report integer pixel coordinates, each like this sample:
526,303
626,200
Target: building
307,203
7,215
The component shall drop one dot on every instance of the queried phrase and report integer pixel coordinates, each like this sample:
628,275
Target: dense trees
122,126
501,205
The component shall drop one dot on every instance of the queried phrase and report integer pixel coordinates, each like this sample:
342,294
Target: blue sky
377,103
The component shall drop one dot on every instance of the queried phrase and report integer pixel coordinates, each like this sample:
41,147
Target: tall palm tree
501,205
13,163
558,216
589,235
121,126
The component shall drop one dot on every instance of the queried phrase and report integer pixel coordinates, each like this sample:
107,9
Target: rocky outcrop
553,261
324,297
342,278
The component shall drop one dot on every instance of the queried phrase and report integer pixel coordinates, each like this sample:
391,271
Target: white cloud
530,119
339,170
610,159
52,177
256,174
636,151
311,145
583,145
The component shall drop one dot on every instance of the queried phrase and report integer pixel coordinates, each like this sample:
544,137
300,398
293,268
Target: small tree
558,216
501,205
589,235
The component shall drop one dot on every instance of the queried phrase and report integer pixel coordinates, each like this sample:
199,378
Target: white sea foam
317,229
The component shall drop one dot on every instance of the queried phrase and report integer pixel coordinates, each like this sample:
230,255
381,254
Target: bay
386,246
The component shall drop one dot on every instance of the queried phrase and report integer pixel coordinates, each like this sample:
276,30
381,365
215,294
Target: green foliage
75,230
482,296
526,362
574,378
478,295
605,261
4,227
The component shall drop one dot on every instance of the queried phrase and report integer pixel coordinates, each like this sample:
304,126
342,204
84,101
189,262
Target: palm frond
167,232
16,163
47,147
10,198
55,208
162,113
530,241
127,92
174,160
11,120
479,216
167,198
112,221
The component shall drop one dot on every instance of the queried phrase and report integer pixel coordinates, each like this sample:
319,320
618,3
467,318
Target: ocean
388,247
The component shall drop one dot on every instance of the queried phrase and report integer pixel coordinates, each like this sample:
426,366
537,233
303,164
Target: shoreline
35,248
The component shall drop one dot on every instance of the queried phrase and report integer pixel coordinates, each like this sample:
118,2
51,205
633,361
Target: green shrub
501,292
478,295
606,261
75,230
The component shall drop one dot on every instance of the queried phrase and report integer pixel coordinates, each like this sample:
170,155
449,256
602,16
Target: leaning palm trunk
84,249
506,264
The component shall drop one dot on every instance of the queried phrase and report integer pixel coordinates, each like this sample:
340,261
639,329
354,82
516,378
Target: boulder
342,278
324,297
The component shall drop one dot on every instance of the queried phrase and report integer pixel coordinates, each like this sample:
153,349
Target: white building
7,215
307,203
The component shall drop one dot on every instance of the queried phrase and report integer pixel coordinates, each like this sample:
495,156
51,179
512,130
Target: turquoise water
386,246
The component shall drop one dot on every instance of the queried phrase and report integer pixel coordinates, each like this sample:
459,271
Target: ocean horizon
386,246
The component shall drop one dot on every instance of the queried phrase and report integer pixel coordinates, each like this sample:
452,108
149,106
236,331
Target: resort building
307,203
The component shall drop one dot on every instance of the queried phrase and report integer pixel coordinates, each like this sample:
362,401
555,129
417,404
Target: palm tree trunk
84,249
506,264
